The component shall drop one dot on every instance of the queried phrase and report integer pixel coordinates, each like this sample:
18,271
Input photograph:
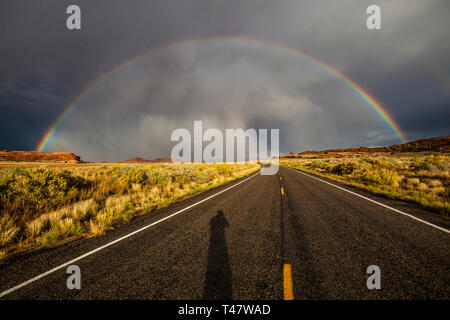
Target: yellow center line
282,191
287,283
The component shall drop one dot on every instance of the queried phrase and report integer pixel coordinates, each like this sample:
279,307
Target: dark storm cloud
44,66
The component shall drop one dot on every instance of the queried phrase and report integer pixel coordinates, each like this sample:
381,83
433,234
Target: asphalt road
237,244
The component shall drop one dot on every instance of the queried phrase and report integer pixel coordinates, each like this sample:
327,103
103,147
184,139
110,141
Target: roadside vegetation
43,205
424,180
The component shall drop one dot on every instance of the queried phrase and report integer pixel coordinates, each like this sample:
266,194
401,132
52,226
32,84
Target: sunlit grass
421,179
44,205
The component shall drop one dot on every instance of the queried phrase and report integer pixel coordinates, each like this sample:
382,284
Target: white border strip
42,275
379,203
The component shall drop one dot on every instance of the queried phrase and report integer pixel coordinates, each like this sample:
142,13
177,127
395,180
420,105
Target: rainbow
360,91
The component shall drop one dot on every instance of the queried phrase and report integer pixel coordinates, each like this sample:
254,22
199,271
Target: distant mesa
438,144
34,156
140,160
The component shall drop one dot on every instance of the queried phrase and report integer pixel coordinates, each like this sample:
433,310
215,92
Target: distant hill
140,160
63,157
438,144
34,156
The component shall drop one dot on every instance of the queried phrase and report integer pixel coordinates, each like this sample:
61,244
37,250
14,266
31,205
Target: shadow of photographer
218,270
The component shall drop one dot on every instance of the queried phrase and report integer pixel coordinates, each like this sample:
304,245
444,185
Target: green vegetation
44,205
424,180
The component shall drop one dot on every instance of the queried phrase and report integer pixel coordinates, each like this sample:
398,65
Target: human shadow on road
218,270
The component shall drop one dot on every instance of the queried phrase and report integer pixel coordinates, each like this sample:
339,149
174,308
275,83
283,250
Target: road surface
263,237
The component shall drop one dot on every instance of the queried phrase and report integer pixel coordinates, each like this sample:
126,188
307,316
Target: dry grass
8,230
424,180
45,204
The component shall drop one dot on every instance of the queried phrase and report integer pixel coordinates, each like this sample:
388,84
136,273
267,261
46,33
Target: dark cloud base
44,66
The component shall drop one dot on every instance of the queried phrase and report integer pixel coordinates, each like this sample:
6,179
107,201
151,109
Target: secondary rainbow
359,90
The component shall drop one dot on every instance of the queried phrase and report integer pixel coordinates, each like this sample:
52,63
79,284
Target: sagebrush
424,180
44,205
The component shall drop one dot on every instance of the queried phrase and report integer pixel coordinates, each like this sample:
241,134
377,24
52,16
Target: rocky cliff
34,156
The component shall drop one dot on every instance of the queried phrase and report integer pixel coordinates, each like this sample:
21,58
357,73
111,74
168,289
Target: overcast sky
225,83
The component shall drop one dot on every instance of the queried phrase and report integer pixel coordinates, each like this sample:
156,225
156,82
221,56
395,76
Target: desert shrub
375,162
422,187
77,213
224,169
6,179
186,173
8,230
380,177
397,163
36,189
63,229
318,164
132,175
126,175
105,218
390,177
128,212
49,237
206,172
159,176
43,206
440,191
430,163
435,183
422,179
344,168
413,181
97,227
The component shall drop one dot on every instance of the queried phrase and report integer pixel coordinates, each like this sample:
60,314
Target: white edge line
379,203
42,275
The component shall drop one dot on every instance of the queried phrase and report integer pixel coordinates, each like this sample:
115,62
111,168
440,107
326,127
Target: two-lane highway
256,238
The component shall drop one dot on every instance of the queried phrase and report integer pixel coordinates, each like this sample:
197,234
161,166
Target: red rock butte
34,156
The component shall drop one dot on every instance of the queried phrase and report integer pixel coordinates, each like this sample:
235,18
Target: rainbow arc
369,100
